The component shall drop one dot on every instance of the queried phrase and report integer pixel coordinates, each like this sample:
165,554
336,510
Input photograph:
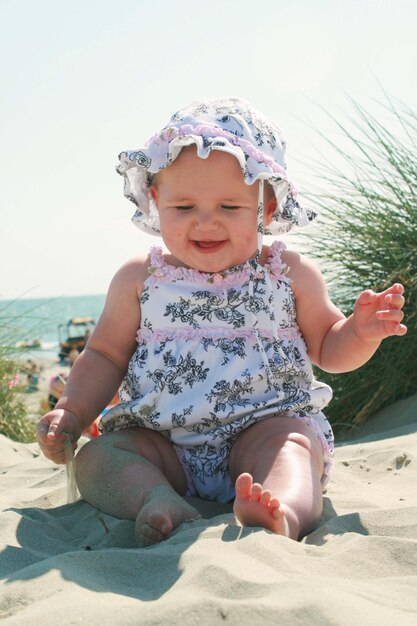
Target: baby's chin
208,256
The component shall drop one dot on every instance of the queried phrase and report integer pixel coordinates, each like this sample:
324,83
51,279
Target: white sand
70,564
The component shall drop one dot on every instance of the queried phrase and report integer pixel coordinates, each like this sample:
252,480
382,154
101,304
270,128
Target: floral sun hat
227,124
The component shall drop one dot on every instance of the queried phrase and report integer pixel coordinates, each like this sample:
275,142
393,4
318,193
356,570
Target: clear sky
83,80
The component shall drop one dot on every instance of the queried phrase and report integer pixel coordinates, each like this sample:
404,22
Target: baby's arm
375,317
98,371
335,343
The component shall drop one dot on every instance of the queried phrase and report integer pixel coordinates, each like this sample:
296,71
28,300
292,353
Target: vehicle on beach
74,335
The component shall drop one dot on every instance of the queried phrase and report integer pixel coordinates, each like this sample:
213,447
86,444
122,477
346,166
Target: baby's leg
277,465
135,474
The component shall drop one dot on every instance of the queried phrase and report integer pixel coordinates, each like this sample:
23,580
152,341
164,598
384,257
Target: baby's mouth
209,245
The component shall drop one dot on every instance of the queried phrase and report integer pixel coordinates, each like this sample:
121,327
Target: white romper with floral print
217,353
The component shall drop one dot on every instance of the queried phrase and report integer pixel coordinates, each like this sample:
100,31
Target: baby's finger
396,288
396,301
367,297
42,429
57,457
392,315
56,431
399,329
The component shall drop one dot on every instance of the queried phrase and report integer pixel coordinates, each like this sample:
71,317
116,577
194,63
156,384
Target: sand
69,564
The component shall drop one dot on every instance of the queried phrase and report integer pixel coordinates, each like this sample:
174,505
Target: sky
83,80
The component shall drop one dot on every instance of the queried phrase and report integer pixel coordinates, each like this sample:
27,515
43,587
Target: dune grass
368,239
14,422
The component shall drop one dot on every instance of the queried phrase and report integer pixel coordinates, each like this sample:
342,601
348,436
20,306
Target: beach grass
14,421
366,192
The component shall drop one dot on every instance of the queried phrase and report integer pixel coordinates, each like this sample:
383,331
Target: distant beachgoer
212,343
32,376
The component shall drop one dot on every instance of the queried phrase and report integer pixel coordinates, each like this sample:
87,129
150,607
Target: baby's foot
254,506
162,511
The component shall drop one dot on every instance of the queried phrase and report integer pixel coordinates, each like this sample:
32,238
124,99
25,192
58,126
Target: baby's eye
184,207
230,207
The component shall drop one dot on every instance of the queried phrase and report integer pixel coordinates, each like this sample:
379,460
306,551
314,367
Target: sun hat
227,124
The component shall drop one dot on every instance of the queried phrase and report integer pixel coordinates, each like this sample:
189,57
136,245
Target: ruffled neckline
159,269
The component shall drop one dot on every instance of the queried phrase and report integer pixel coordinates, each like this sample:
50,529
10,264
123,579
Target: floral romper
217,353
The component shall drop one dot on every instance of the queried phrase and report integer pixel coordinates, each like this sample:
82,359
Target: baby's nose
206,218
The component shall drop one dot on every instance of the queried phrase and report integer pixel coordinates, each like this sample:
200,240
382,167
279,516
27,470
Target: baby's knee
301,440
280,431
307,444
291,443
91,460
278,436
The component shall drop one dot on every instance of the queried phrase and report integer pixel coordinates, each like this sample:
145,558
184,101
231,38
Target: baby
212,342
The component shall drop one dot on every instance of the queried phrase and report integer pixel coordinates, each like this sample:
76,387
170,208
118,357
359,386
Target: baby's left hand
379,315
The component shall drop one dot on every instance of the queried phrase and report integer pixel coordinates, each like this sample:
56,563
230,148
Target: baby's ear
269,210
154,194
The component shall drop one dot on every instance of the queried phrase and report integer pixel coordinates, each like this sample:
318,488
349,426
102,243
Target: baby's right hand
54,429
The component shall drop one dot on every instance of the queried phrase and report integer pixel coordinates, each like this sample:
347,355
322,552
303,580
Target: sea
38,320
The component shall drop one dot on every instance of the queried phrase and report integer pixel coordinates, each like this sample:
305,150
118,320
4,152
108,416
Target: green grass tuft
367,238
14,422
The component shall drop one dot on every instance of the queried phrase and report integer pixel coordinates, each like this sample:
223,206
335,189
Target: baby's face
207,213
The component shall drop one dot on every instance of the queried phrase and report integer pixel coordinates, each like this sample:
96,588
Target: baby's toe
266,497
256,491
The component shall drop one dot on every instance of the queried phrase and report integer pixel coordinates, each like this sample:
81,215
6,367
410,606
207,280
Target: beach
46,369
70,564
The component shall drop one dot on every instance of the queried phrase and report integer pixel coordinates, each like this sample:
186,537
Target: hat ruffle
229,125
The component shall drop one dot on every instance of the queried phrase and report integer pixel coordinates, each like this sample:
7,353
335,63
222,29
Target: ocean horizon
38,319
